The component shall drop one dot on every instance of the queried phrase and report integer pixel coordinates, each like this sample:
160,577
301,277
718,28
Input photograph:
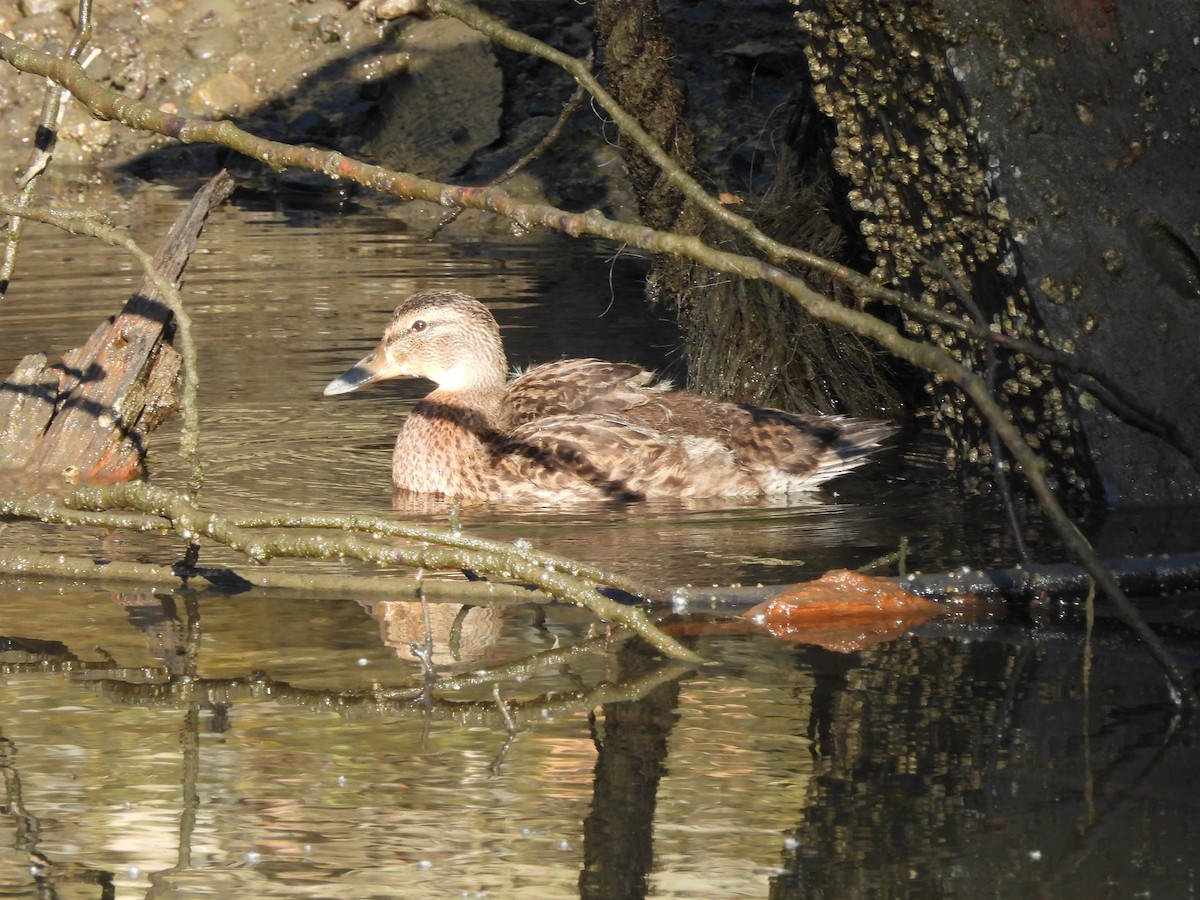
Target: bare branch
191,523
43,147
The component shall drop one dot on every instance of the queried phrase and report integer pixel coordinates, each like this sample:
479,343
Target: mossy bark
744,341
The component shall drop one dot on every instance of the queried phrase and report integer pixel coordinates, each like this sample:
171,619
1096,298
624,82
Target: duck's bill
376,367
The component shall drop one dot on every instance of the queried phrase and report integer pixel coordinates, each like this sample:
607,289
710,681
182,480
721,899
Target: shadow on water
176,744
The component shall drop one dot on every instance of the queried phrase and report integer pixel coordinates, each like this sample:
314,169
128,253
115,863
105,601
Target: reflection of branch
930,358
191,523
49,874
14,803
519,670
1119,805
180,693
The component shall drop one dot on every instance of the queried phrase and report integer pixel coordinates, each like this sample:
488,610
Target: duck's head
447,337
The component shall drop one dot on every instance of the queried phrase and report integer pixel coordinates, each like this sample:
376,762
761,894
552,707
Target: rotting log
85,419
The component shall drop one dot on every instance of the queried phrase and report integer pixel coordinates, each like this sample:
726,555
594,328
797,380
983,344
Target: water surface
261,744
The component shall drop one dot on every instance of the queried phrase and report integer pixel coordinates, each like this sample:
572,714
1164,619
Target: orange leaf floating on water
844,611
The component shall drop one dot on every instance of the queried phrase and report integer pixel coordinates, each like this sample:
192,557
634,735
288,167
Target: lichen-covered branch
394,702
450,538
25,562
96,505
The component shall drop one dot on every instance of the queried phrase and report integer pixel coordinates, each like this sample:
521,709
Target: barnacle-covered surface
1019,166
931,212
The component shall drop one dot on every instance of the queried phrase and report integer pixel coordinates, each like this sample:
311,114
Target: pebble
309,14
214,43
192,73
386,10
155,17
41,7
214,11
222,95
92,135
43,28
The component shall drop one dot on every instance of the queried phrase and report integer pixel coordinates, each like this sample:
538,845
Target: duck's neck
447,440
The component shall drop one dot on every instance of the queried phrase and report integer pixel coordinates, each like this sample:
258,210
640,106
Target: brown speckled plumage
582,428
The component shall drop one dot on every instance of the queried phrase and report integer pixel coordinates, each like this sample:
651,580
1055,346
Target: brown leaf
843,611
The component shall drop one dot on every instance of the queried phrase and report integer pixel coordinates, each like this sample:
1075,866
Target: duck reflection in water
458,636
582,429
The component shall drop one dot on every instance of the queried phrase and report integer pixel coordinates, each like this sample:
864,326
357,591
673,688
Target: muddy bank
426,95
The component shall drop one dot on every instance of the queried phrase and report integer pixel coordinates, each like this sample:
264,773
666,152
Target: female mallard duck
582,428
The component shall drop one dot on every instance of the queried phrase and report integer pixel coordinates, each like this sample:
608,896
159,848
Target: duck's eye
419,325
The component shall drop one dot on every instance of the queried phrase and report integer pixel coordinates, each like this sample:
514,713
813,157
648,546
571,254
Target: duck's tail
854,443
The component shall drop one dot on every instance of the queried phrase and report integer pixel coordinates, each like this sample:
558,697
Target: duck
582,429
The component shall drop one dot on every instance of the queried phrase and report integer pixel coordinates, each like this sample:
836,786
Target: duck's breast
442,449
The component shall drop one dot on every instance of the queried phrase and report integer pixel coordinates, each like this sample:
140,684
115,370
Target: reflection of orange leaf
843,611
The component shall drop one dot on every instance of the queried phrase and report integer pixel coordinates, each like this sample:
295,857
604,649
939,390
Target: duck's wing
784,452
603,456
578,386
788,452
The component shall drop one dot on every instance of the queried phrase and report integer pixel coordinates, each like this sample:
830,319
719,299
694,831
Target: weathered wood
114,390
26,405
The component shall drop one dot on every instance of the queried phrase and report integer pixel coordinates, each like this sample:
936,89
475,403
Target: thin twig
45,139
543,145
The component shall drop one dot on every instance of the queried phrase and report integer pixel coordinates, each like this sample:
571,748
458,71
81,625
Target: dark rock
1089,112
